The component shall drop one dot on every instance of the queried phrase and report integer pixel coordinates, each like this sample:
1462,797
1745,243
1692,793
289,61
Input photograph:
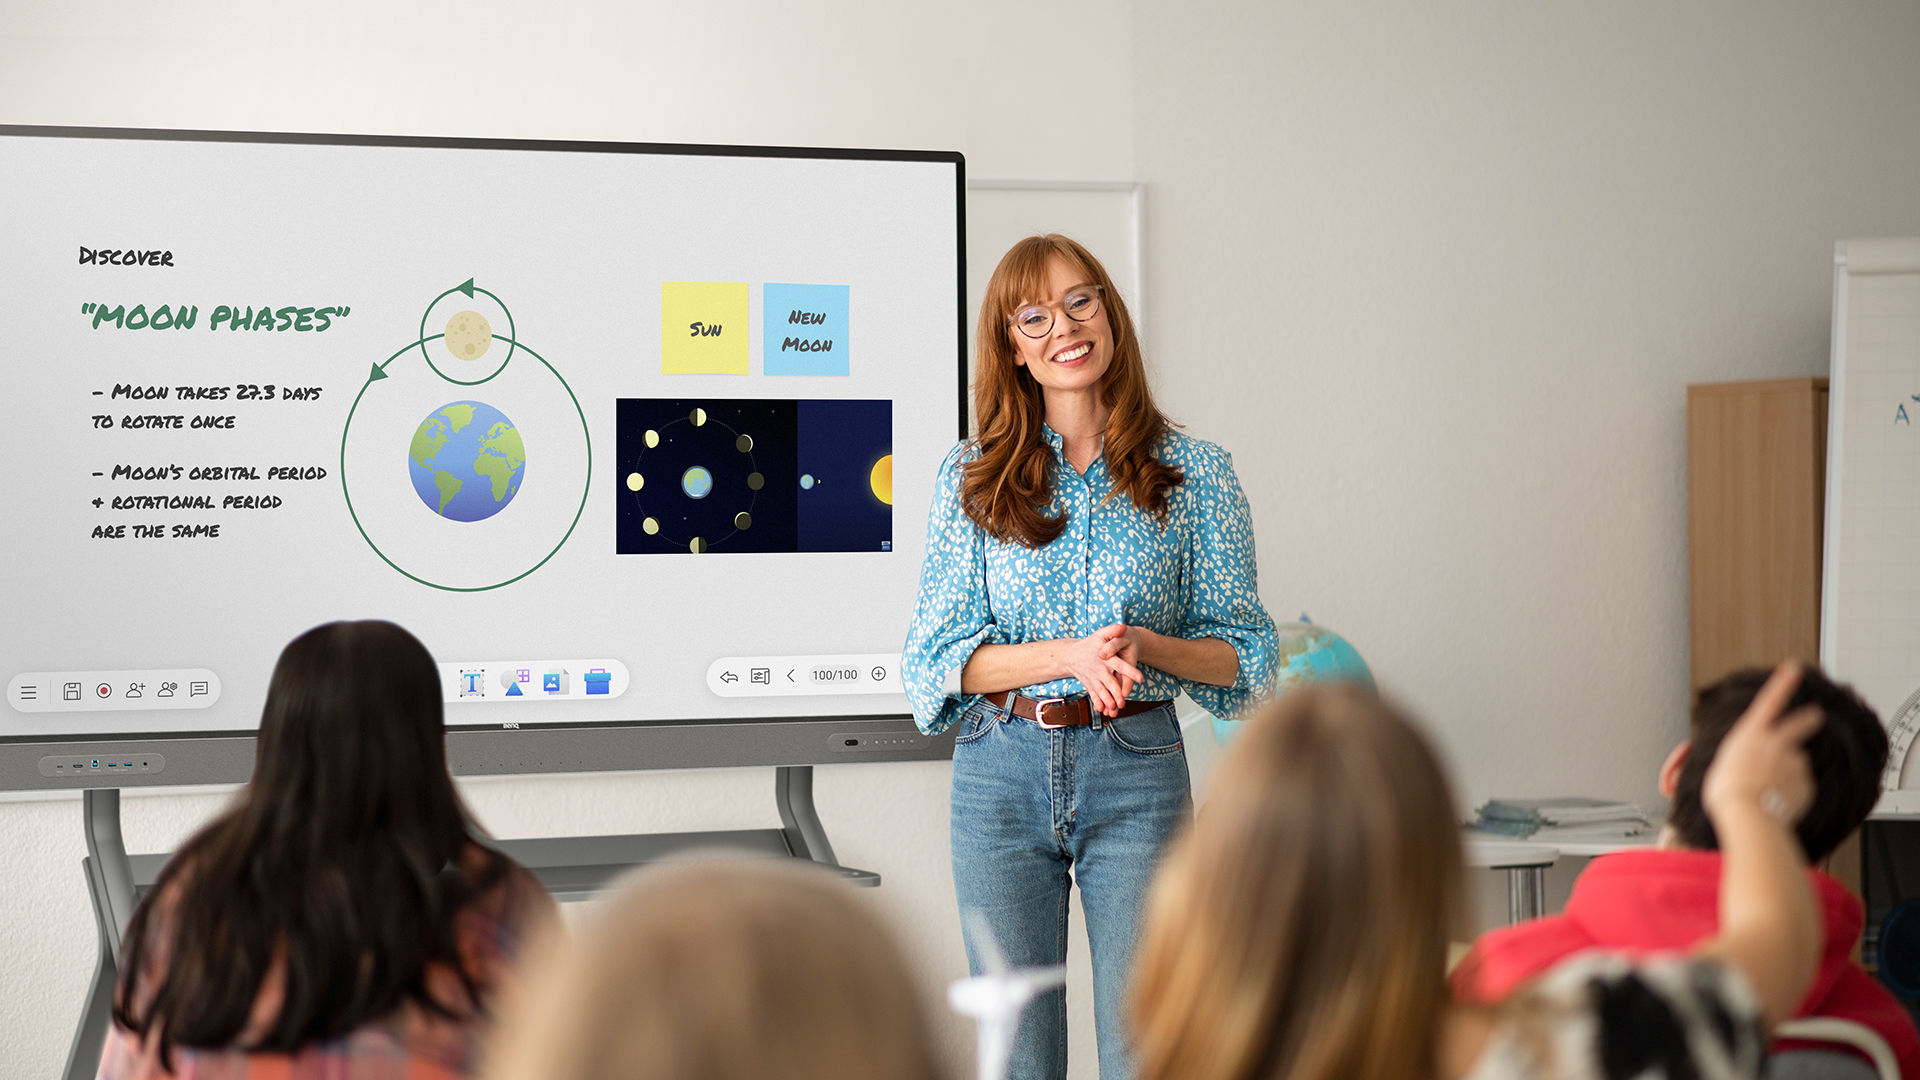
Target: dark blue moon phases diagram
716,475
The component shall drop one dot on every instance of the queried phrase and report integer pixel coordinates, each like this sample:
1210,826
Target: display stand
571,867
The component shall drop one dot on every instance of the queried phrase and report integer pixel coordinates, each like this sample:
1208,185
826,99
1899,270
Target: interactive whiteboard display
623,433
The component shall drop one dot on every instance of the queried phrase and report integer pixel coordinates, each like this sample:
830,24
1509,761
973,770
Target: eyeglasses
1036,320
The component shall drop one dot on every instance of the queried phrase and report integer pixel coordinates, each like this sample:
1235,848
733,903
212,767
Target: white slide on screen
587,420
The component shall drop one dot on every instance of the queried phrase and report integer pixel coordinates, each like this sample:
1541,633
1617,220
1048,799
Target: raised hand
1761,761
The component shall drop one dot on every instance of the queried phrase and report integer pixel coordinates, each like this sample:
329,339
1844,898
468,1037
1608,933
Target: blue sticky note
805,329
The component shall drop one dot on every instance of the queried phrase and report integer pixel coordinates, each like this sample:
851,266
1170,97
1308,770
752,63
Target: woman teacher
1085,563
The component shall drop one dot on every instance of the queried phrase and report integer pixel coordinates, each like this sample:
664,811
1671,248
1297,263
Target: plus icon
96,504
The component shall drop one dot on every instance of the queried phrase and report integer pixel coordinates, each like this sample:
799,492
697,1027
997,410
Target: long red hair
1006,488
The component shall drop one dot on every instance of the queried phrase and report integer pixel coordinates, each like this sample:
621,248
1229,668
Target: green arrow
376,375
466,288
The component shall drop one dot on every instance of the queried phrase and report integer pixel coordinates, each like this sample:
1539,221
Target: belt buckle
1040,712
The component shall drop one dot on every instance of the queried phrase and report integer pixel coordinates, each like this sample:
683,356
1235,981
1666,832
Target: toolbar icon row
534,680
96,691
778,676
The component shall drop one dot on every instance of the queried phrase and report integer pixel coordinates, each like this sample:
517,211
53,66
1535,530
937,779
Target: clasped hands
1106,663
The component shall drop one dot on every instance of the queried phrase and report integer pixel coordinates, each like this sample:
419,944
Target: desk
1526,866
1526,862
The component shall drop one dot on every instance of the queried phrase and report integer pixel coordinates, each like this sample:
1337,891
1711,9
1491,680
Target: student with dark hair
1664,899
343,917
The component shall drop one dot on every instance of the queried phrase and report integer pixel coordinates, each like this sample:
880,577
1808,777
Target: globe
466,461
1308,654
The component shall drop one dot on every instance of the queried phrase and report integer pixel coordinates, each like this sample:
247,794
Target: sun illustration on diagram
435,457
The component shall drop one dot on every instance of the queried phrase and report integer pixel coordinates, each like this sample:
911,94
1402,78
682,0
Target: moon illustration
743,520
652,438
651,526
697,545
743,444
635,481
881,479
698,416
468,335
755,481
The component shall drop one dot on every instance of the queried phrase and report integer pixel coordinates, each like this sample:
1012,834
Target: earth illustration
466,461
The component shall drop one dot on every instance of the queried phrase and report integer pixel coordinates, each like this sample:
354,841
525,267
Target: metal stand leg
109,874
1526,893
800,821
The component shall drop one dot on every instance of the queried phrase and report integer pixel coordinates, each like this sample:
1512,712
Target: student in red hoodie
1666,898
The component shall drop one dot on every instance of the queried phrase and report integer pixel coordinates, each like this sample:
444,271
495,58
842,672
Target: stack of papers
1565,820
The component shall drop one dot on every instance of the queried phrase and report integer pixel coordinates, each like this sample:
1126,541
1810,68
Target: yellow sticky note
703,328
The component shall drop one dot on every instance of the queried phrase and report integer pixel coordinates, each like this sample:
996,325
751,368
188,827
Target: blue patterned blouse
1192,578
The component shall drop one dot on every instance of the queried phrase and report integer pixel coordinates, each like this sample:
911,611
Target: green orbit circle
476,382
585,490
422,343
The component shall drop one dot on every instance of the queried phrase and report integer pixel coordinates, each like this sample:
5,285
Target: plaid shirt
412,1044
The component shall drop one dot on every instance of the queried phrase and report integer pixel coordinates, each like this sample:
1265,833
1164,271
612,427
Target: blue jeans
1029,806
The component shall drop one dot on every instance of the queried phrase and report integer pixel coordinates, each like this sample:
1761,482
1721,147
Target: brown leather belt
1062,712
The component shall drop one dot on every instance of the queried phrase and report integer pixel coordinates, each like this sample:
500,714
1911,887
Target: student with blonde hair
719,968
1299,930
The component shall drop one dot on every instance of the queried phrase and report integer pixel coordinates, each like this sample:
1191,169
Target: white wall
1436,274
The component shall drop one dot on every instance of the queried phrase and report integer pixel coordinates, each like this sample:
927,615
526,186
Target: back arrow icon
728,676
790,677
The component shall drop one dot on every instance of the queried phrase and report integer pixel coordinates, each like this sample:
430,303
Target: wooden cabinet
1756,511
1756,495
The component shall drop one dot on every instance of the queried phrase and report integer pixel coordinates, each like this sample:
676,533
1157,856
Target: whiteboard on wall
1104,217
1870,596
